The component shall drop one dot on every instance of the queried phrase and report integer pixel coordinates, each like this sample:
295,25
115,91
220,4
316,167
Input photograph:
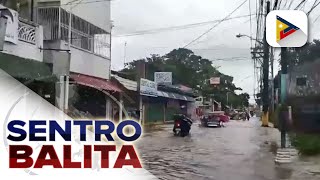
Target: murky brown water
241,151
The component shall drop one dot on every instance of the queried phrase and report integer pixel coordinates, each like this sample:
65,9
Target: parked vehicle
215,119
182,125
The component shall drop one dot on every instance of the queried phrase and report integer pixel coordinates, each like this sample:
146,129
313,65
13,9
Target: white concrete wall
88,63
97,13
27,50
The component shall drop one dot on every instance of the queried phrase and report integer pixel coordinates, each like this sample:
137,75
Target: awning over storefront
94,82
128,84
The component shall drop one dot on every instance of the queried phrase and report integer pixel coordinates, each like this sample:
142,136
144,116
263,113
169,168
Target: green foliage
11,3
307,144
193,71
308,53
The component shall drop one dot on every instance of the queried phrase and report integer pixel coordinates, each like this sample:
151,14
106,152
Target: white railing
84,35
27,32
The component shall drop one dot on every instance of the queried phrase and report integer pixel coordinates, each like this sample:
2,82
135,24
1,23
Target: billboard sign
148,88
163,78
12,24
215,80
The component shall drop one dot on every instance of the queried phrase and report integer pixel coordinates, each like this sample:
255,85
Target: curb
286,155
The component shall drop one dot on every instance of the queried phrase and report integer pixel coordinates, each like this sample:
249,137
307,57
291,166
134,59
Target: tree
10,4
308,53
190,70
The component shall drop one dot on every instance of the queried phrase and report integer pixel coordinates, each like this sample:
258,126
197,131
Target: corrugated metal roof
94,82
128,84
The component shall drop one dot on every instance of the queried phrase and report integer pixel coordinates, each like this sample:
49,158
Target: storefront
95,96
157,106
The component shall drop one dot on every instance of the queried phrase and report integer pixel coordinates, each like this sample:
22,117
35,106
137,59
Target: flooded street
241,150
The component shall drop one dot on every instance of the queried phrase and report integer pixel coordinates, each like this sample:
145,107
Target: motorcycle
182,125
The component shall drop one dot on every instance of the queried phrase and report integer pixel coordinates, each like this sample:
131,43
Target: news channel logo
287,28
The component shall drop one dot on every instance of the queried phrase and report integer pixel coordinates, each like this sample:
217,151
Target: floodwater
241,151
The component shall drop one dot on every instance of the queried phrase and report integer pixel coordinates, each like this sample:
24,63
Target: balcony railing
84,35
27,31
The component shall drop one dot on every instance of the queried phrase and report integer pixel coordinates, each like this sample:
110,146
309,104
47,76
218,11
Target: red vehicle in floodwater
216,119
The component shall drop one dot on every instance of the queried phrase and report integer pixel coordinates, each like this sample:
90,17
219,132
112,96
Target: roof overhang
95,82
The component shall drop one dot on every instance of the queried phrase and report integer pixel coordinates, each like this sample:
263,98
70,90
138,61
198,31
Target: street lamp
243,35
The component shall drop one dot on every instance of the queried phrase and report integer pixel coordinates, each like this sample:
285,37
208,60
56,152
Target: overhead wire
186,26
303,6
71,2
313,7
290,4
279,5
210,29
316,19
284,6
296,8
85,2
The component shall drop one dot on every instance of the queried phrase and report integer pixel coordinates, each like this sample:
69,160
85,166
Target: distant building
303,95
81,52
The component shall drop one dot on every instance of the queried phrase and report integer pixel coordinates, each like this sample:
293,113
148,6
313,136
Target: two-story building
75,41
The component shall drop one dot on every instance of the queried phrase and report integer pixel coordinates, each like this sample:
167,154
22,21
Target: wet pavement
242,150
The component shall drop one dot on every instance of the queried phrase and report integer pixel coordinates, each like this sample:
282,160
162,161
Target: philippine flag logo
287,28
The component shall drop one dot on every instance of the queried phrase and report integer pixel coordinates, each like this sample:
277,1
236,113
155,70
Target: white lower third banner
53,156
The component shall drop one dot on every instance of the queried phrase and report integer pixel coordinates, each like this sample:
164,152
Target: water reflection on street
243,150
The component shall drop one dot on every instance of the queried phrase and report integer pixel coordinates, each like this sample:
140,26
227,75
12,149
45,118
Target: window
301,81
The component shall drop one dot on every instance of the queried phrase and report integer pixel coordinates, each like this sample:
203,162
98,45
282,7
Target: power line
215,25
78,3
279,4
313,7
71,2
299,4
304,4
285,4
172,28
86,2
290,4
316,19
232,59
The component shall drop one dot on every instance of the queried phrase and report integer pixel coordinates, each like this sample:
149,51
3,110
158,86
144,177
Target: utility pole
283,88
125,55
141,72
32,10
272,81
265,92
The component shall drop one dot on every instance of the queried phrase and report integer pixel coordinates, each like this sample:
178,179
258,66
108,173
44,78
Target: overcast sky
130,16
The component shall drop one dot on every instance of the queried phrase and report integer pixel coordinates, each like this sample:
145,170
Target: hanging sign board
163,78
148,88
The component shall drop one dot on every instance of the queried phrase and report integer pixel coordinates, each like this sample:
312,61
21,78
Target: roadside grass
306,144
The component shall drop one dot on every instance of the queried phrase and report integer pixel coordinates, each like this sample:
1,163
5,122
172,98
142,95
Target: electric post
141,73
284,71
265,92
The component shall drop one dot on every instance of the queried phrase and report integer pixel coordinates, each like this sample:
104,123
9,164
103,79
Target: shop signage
163,78
148,88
